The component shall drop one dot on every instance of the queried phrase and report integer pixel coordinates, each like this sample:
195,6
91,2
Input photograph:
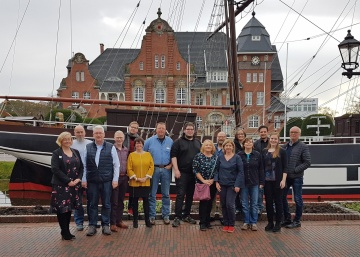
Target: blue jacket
160,151
231,172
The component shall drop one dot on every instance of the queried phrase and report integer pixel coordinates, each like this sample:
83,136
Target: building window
255,38
357,127
138,94
160,95
178,66
254,77
80,76
227,99
248,98
198,121
163,61
244,58
217,76
277,122
112,97
199,99
141,65
87,95
181,95
261,77
156,61
215,99
248,77
260,98
253,121
75,95
216,118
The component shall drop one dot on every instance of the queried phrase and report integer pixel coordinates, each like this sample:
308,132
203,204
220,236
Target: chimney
101,48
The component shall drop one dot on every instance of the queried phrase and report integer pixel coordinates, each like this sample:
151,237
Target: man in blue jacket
159,147
299,160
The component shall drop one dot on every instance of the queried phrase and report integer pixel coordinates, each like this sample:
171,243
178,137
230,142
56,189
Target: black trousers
64,222
185,186
273,194
135,206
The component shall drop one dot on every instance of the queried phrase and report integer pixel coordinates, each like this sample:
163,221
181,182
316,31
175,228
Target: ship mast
234,87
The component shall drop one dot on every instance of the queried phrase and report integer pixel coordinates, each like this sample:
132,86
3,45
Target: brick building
175,67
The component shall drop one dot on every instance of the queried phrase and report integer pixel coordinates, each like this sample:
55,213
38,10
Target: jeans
250,214
260,204
185,186
96,190
117,200
273,194
163,176
79,213
205,207
296,184
227,199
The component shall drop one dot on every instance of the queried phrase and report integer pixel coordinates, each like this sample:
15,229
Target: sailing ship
121,79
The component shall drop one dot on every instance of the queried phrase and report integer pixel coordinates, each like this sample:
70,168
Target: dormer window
255,38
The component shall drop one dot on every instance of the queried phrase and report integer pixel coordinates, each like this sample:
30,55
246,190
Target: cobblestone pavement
321,238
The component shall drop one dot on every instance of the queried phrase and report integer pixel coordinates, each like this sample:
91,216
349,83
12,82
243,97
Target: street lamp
349,51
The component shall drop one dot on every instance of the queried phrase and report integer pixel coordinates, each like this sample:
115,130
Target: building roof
245,43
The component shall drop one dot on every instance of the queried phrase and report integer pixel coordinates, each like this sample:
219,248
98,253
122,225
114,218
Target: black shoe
294,224
67,237
202,227
269,226
277,227
135,224
148,224
285,223
190,220
176,222
208,226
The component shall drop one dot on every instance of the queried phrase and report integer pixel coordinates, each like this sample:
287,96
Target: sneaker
285,223
225,228
245,226
80,227
106,230
176,222
254,227
277,227
166,221
152,221
190,220
130,211
231,229
91,231
269,226
294,224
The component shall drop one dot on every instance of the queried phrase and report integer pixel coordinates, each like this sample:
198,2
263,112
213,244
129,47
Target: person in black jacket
182,154
254,179
67,169
275,164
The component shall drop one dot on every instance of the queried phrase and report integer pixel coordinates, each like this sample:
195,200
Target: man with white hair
80,144
101,175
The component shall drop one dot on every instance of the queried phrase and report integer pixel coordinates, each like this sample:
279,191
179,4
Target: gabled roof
245,44
109,68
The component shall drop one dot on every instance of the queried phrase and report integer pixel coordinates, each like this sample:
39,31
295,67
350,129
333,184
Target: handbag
202,191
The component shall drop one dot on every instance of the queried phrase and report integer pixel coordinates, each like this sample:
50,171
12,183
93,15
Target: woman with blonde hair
274,163
67,170
204,165
229,178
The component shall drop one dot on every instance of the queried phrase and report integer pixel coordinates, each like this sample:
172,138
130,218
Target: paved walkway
321,238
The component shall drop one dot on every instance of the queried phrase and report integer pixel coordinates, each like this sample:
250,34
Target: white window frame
248,98
199,121
181,95
261,77
139,94
75,95
260,98
141,65
178,66
199,99
248,77
163,62
277,122
87,95
156,61
80,76
253,121
160,94
215,99
254,77
255,38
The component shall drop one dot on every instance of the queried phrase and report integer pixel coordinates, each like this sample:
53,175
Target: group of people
231,168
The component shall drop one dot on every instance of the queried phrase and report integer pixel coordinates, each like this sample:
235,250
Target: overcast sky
29,65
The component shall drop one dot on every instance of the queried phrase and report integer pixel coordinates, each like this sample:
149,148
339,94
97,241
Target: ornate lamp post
349,51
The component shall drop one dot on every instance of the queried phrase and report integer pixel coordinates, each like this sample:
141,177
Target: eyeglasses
134,127
294,132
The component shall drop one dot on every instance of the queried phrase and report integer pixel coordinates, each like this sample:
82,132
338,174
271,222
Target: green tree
26,108
296,121
312,120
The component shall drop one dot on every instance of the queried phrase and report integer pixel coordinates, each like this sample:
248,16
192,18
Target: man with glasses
259,146
182,154
298,155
